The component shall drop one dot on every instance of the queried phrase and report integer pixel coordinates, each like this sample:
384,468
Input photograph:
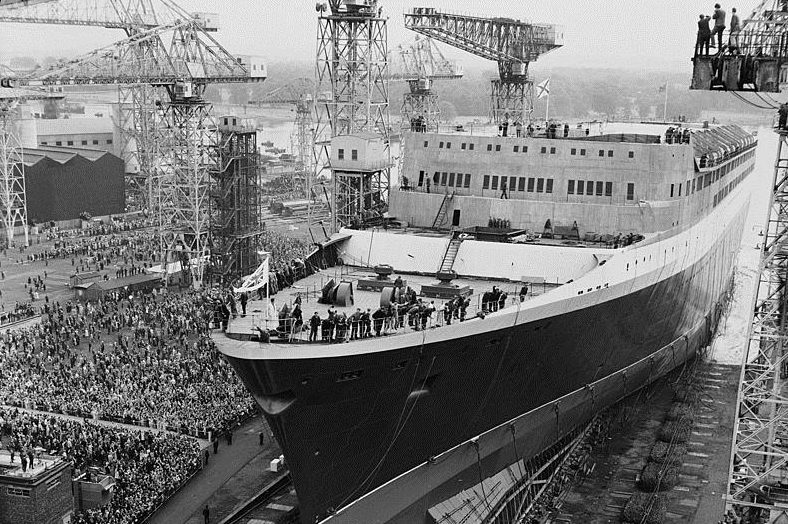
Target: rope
740,97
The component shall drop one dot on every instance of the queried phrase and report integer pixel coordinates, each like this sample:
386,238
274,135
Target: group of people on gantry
706,34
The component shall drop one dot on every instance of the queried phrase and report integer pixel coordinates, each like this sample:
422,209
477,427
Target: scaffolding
236,199
13,203
352,97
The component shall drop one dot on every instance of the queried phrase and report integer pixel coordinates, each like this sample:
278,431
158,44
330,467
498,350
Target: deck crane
756,60
183,60
299,93
420,63
511,43
135,101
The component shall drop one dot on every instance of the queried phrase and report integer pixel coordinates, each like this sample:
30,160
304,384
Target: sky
628,34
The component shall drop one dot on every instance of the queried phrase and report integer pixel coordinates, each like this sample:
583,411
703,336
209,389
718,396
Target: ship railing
290,330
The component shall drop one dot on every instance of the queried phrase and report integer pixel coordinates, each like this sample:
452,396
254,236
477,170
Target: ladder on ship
451,254
440,218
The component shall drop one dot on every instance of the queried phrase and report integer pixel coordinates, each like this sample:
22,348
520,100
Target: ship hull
355,422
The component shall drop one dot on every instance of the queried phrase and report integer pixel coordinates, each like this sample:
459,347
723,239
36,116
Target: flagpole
547,109
665,108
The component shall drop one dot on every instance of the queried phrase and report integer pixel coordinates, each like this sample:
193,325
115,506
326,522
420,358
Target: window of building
95,142
497,147
516,149
590,188
421,178
494,182
70,143
486,182
525,149
512,183
573,151
631,154
530,185
630,191
671,190
570,187
540,185
58,143
341,154
470,146
451,179
354,154
436,177
552,150
610,153
18,492
599,187
608,188
687,192
426,143
43,143
582,152
109,142
448,145
580,187
544,150
521,184
444,176
489,147
680,189
462,146
84,142
549,186
440,145
467,180
601,152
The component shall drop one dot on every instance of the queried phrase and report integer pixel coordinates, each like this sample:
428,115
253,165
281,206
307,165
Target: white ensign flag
543,89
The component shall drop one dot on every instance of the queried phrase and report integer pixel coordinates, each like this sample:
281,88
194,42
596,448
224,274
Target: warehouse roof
61,154
74,126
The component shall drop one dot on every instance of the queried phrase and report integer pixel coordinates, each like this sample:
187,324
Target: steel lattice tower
352,97
13,203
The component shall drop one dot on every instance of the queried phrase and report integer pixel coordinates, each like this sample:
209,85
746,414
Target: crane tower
511,43
352,98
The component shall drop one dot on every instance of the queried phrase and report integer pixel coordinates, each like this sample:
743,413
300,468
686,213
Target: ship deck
244,328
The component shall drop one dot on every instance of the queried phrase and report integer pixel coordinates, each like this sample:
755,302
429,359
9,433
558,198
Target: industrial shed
62,182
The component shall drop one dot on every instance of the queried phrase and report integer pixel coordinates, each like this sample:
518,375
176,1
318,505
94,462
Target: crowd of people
142,359
147,467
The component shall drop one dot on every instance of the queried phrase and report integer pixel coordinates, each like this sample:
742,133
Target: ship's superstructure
625,241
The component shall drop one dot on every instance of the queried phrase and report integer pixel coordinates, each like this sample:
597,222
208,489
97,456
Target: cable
766,101
740,97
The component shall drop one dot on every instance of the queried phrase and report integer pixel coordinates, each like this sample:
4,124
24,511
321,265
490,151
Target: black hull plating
343,439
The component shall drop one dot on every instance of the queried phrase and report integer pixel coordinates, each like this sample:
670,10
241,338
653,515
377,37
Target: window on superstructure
580,187
549,186
470,147
540,185
610,153
421,178
516,149
590,188
467,180
521,184
530,185
552,150
494,182
95,142
462,146
109,142
570,187
582,152
489,147
341,154
680,189
436,177
630,191
451,179
84,142
444,176
608,188
525,149
599,188
573,151
497,147
544,150
448,145
70,143
354,154
671,190
512,183
687,192
486,182
631,154
440,145
601,152
426,143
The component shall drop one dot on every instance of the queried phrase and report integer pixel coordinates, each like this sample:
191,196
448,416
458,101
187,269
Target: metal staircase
440,218
451,254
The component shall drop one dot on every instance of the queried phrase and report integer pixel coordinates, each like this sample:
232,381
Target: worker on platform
504,194
733,39
719,26
704,35
314,324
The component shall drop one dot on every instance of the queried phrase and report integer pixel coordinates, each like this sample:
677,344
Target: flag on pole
543,89
257,279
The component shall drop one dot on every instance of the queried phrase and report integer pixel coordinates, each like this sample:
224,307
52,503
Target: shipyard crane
299,93
755,60
353,99
183,60
511,43
419,64
135,102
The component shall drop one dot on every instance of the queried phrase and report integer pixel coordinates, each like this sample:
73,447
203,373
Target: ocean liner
615,247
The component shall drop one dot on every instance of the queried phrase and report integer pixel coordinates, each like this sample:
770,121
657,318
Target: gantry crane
755,59
299,93
420,63
183,60
511,43
136,108
352,98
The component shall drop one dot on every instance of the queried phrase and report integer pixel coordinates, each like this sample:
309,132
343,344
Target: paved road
229,475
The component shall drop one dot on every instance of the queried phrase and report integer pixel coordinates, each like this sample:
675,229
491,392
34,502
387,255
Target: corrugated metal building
62,182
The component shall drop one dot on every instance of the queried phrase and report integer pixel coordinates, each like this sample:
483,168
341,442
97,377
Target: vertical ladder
451,254
440,218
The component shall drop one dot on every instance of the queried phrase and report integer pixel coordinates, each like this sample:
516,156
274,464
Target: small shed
134,283
84,278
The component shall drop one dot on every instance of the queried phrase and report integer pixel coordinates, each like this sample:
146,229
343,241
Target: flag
543,89
257,279
663,87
